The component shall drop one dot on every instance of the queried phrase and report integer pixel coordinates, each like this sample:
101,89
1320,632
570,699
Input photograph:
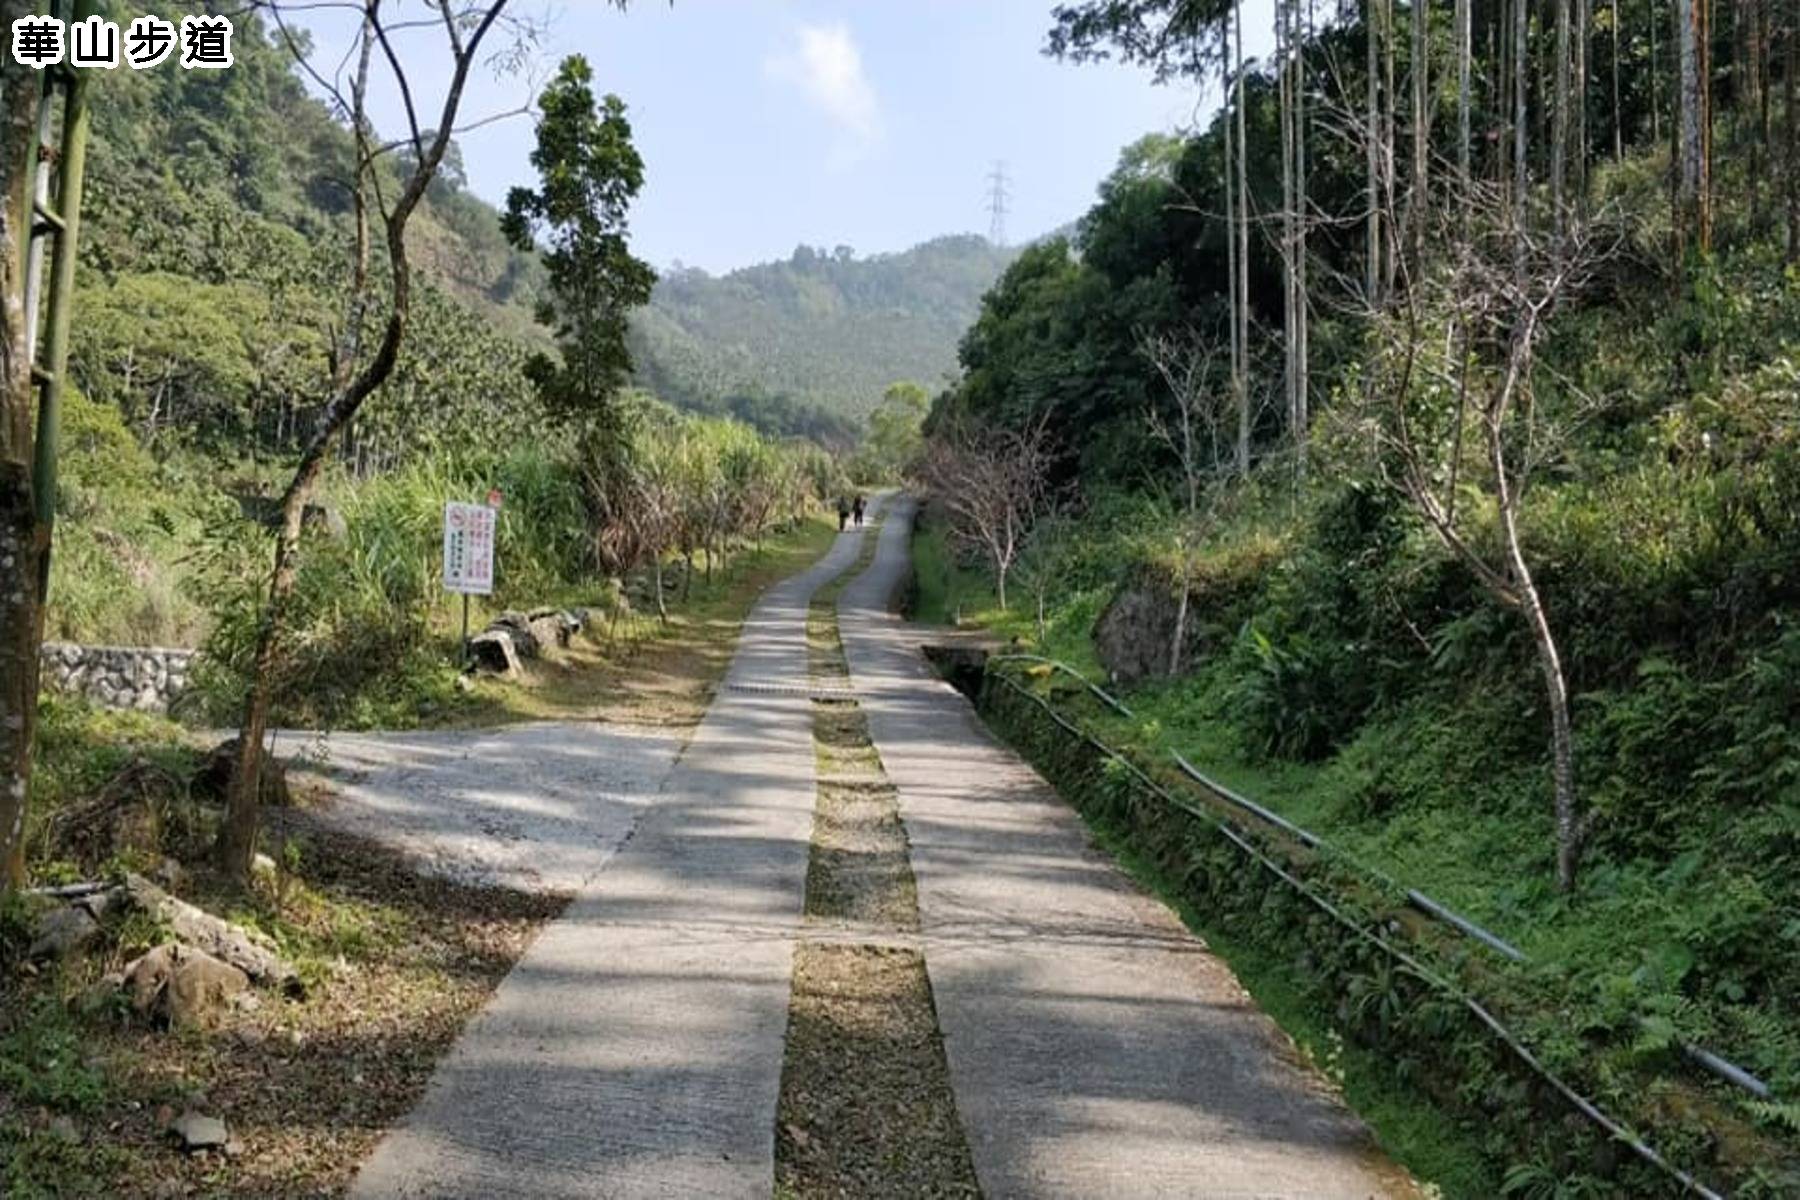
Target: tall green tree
589,173
21,535
896,428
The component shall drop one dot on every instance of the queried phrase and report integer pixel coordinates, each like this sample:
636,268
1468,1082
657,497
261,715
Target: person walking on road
843,513
857,508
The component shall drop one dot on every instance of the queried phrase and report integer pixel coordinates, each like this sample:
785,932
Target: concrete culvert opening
962,666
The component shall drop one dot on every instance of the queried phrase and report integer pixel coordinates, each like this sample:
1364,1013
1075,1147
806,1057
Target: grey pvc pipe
1450,917
1727,1070
1581,1103
1722,1068
1248,805
1112,702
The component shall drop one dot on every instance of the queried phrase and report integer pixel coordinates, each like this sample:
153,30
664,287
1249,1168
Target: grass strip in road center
866,1106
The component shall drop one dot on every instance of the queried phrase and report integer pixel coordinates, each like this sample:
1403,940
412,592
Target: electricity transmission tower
999,203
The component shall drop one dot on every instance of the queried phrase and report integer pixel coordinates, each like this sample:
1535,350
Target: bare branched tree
993,484
1196,429
463,32
1456,420
1045,561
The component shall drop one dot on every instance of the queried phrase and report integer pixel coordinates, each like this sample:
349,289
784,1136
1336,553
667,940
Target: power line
999,202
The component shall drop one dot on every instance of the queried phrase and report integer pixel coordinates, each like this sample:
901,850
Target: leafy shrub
116,574
41,1059
1284,699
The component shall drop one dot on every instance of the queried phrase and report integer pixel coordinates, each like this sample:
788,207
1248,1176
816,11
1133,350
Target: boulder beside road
229,943
494,652
181,985
514,636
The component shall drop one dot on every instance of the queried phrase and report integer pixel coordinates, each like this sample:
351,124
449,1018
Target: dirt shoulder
394,963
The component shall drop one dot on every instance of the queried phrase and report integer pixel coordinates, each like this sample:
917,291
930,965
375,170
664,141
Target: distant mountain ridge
199,182
823,329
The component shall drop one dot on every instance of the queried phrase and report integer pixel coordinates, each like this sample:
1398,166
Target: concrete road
1096,1048
636,1049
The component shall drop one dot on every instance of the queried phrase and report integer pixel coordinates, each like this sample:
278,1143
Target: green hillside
244,177
827,329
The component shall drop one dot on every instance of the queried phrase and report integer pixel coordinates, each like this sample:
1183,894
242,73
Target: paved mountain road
635,1051
1095,1047
536,807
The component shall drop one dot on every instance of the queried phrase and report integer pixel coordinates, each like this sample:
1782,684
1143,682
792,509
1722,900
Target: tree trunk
1559,127
1790,57
662,607
350,345
1417,196
21,614
1618,119
1302,221
1289,56
1179,641
1372,276
1242,285
1655,77
1761,56
28,418
1562,740
1284,87
1390,250
1521,181
237,839
1239,394
1579,164
1691,183
1556,688
1706,123
1503,101
1464,53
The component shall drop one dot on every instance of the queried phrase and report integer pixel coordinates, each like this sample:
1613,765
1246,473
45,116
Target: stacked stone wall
146,678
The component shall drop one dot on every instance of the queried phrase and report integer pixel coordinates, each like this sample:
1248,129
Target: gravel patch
841,741
537,808
866,1107
859,873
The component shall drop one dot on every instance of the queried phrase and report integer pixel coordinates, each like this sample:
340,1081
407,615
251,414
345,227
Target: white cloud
827,67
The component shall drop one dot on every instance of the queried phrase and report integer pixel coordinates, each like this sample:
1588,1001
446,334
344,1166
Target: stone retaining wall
147,678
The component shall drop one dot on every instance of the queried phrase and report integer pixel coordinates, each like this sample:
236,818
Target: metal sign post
468,556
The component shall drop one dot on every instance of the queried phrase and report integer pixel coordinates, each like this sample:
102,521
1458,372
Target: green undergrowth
79,749
1446,1097
1341,673
629,665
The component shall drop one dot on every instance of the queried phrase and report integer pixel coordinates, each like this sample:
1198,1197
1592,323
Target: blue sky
872,123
